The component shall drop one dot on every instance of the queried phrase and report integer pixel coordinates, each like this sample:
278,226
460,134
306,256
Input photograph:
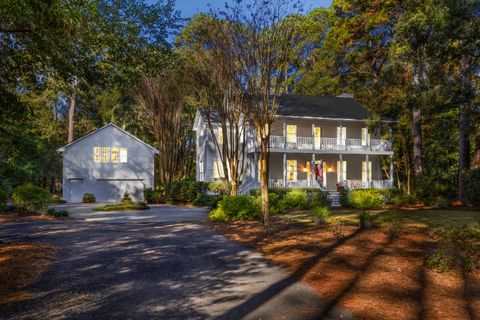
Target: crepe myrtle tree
261,38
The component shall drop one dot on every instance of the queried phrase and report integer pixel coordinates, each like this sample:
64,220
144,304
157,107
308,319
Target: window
341,135
343,170
317,133
291,170
365,137
217,169
364,171
200,167
291,134
220,136
110,154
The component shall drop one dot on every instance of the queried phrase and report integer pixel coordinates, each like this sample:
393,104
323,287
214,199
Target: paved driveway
155,271
156,213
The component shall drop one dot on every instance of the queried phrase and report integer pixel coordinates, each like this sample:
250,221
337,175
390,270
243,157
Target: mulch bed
8,217
370,272
20,265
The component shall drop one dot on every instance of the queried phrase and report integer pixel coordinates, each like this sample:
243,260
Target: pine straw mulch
20,265
8,217
370,272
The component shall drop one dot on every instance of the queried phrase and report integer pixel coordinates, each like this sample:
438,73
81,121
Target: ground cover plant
122,207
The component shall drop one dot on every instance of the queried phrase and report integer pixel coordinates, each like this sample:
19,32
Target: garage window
110,154
101,154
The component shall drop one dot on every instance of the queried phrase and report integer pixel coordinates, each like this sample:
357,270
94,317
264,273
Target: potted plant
320,215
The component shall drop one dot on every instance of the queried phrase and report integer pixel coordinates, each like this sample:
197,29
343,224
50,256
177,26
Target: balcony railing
305,143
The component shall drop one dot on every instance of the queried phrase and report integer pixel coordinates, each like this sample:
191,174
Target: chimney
345,95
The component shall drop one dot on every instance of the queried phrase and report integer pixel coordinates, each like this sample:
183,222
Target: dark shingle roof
320,107
294,105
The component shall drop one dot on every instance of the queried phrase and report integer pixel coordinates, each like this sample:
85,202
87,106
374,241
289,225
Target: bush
317,198
88,198
57,199
344,198
275,203
458,247
206,200
320,215
389,195
219,187
365,199
57,213
184,191
240,207
3,198
126,200
280,192
31,199
295,199
122,206
473,187
149,195
403,200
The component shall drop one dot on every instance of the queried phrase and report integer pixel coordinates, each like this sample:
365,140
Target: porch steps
334,197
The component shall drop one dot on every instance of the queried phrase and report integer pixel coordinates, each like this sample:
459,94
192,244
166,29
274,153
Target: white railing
376,184
278,184
305,143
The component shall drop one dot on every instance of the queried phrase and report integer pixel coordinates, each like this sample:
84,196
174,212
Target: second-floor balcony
330,144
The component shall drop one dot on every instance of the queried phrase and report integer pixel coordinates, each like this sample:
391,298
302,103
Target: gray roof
293,105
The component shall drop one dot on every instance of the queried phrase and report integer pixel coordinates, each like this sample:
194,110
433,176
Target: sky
189,8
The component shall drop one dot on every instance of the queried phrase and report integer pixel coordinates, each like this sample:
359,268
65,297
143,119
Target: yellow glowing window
105,157
220,136
292,170
115,154
291,134
123,155
97,154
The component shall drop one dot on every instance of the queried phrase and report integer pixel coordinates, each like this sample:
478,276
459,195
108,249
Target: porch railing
376,184
307,143
279,183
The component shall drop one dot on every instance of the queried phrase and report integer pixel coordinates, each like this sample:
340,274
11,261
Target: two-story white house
327,133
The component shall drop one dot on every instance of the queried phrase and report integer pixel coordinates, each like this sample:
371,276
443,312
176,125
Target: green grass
416,219
122,207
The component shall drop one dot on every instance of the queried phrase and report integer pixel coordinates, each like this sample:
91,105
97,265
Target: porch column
284,134
341,166
340,134
255,174
312,169
367,170
284,170
391,171
313,136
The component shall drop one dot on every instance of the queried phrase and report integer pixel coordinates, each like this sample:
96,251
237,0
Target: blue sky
191,7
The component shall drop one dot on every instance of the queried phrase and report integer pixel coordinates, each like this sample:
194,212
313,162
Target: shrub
57,213
344,198
31,199
239,207
320,215
280,192
3,198
389,195
57,199
403,200
365,199
219,187
184,191
295,199
122,206
149,195
206,200
473,187
366,220
275,203
88,198
459,246
126,200
317,198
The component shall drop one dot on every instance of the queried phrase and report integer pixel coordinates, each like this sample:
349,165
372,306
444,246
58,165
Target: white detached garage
107,162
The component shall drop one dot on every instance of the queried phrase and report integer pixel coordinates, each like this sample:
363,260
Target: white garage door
112,190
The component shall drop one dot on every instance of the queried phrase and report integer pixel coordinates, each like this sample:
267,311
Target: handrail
307,143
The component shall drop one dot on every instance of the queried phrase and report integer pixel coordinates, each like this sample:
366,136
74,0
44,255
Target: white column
367,170
341,167
284,170
284,134
313,136
341,133
391,171
312,169
256,166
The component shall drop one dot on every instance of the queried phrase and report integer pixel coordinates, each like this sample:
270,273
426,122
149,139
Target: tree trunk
263,158
71,115
464,151
476,155
417,143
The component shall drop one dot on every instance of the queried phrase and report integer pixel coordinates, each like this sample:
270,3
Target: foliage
295,199
237,207
122,207
57,199
219,187
154,195
275,202
126,200
389,195
320,215
3,198
366,220
344,194
317,198
57,213
473,187
207,200
185,191
403,200
365,199
88,198
459,246
31,199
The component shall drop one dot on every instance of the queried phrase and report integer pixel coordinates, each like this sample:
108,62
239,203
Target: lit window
343,172
292,170
365,137
200,167
364,171
123,155
220,136
217,169
341,135
105,154
291,134
115,154
97,154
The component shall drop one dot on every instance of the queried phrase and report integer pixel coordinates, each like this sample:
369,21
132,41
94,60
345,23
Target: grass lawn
370,272
409,218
